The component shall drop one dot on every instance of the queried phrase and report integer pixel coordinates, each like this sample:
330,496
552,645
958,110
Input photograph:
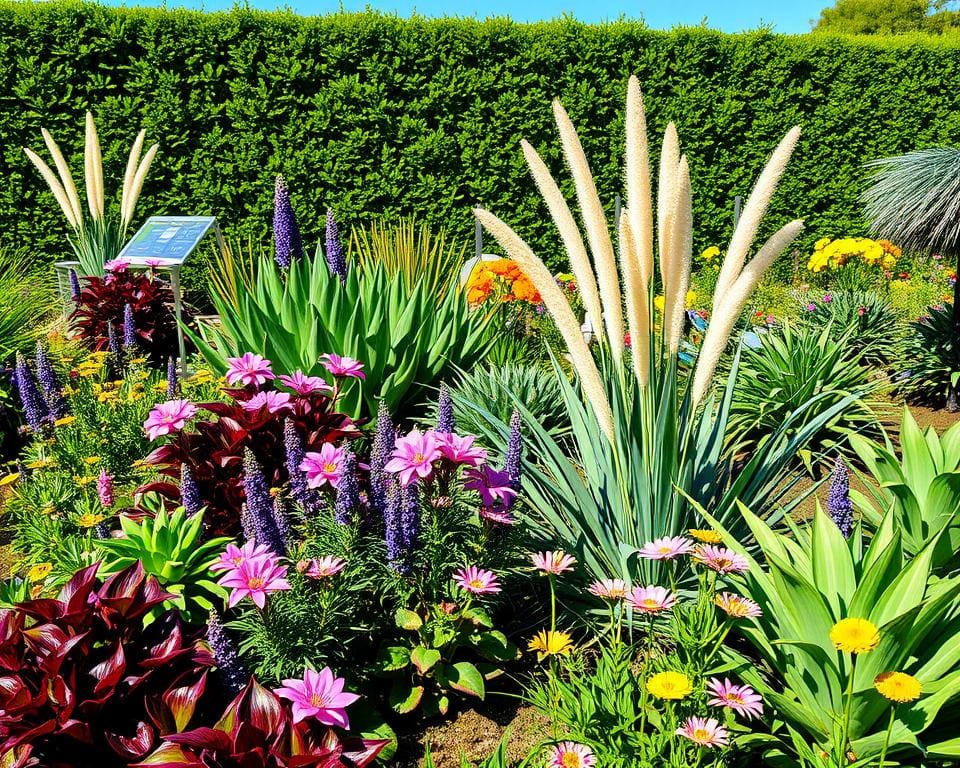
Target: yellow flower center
418,458
476,583
316,700
571,760
255,582
701,734
650,603
330,467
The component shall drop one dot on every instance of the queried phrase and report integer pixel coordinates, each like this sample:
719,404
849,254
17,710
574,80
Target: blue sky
729,15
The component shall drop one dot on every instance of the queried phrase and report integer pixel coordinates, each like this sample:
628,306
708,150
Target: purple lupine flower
34,407
112,344
288,245
348,490
52,391
839,505
129,327
258,521
189,493
229,668
410,517
393,528
383,444
171,379
74,285
282,521
445,411
105,488
336,259
308,498
512,460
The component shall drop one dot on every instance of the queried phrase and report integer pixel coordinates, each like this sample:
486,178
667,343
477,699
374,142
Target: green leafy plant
805,373
406,335
920,487
863,321
805,584
931,357
171,548
26,300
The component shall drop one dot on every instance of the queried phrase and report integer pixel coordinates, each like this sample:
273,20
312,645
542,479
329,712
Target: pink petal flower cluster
553,563
257,575
666,548
498,515
736,606
116,265
461,450
249,369
413,456
304,385
171,416
569,754
720,559
275,402
342,366
235,556
319,695
705,732
651,600
609,589
323,567
477,581
493,485
323,466
742,699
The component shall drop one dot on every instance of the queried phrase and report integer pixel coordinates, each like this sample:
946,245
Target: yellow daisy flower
855,635
709,254
91,460
670,685
39,572
551,643
88,520
706,535
898,687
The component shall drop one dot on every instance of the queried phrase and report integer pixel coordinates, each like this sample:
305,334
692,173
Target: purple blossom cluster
288,244
839,506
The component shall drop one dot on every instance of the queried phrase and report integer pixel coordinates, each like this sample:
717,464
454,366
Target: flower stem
886,739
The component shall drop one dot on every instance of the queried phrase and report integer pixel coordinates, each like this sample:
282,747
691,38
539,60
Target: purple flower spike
288,245
171,379
348,491
336,259
129,328
74,285
839,505
445,423
52,391
227,656
258,520
34,407
383,443
105,488
393,526
300,491
112,344
410,517
512,461
189,493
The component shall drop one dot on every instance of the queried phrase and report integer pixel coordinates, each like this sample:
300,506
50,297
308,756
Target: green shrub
931,358
862,319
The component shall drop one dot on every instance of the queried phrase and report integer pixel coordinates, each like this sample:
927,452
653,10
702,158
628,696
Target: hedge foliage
374,115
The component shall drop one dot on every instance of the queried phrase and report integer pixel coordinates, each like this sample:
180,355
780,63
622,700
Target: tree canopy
889,17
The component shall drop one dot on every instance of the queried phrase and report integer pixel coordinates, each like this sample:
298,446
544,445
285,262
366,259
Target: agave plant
866,323
84,683
406,335
931,357
635,439
812,580
914,199
98,239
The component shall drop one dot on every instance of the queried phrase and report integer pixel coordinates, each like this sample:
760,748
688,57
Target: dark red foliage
84,683
257,731
101,303
213,449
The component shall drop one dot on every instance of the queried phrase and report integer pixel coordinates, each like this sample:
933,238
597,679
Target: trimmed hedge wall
374,115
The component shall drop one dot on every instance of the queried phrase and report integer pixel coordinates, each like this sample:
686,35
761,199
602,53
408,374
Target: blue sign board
166,239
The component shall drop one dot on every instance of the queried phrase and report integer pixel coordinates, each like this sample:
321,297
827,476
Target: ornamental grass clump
637,434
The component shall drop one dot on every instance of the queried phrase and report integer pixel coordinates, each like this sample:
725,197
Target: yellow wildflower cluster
833,254
660,302
670,685
709,254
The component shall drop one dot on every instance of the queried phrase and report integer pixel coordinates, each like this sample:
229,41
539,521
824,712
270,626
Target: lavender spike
288,245
259,506
336,259
171,379
348,491
839,505
52,391
189,492
129,328
445,411
34,407
225,653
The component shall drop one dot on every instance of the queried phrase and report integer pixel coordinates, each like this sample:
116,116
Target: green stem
845,734
886,739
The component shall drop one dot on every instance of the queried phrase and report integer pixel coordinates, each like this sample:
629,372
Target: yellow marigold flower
855,635
551,643
898,686
709,254
39,572
9,479
706,535
88,520
66,421
91,460
821,243
670,685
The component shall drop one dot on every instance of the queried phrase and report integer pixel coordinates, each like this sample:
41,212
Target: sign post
164,243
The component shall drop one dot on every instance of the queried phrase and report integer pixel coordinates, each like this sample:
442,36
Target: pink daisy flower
319,695
569,754
720,559
322,567
305,385
609,589
651,599
499,515
413,456
461,450
275,402
325,466
666,548
492,485
235,556
742,699
703,731
343,366
249,369
171,416
255,579
736,606
116,265
477,581
553,562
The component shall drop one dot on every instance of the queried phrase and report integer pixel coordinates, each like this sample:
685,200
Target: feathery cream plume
722,321
569,233
639,203
677,280
669,162
638,309
137,185
753,212
93,169
559,308
66,177
129,174
597,233
55,186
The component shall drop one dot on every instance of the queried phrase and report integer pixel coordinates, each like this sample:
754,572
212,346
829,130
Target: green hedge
374,115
